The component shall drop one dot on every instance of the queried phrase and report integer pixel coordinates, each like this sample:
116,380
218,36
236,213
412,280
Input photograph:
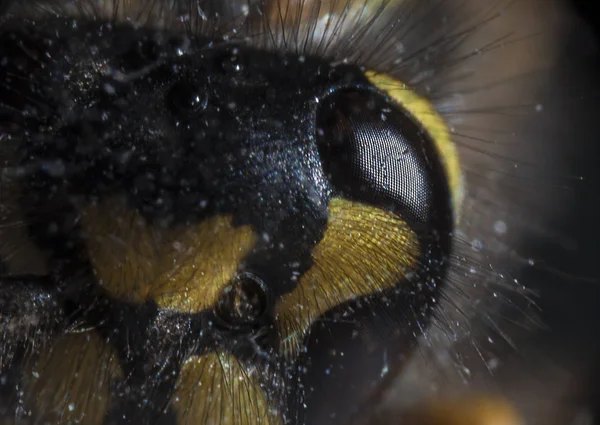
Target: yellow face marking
70,382
435,126
215,389
184,268
365,250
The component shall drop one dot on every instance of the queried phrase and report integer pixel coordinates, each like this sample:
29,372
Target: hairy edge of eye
434,124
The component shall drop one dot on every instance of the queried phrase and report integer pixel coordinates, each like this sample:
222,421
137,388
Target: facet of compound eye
187,98
374,151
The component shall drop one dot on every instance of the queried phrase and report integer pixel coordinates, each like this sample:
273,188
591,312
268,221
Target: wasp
252,212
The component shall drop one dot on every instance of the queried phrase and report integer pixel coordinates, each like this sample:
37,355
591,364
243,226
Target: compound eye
373,151
186,98
243,303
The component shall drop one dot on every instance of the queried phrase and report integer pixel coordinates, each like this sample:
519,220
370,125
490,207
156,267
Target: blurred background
569,281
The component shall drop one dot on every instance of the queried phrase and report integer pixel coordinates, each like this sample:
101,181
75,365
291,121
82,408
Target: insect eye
374,152
185,98
243,303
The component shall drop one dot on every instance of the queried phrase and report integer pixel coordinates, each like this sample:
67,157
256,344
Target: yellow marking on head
435,126
183,268
365,250
216,389
70,381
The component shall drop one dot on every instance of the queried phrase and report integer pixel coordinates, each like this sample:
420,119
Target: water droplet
477,245
493,363
500,227
109,88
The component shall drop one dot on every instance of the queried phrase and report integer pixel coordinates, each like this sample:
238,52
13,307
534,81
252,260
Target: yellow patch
184,268
365,250
216,389
465,410
435,126
70,382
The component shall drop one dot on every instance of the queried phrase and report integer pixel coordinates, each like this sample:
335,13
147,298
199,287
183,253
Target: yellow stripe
183,268
70,382
365,250
216,389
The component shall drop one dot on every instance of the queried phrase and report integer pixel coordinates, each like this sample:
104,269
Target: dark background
588,10
570,290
